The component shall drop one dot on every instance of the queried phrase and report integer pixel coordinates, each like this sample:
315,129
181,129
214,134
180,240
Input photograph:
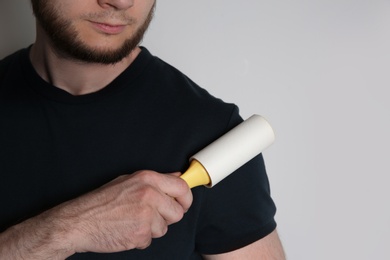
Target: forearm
124,214
41,237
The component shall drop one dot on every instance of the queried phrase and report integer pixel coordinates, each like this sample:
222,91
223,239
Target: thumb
176,174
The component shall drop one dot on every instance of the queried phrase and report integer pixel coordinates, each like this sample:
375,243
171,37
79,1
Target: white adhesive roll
235,148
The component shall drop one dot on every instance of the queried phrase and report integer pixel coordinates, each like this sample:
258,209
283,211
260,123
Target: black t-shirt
55,146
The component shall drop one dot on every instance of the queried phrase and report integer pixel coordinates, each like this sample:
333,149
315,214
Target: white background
318,70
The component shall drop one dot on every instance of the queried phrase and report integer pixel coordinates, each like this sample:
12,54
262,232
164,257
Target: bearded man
95,132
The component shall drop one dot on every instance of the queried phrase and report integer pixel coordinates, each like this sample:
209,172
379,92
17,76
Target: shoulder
205,116
186,94
9,63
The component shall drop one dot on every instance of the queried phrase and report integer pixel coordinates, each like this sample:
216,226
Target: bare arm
122,215
41,237
268,248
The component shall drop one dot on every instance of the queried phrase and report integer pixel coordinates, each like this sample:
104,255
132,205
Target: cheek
145,8
74,11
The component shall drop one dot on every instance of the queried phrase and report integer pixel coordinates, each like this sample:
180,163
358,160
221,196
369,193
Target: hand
124,214
127,212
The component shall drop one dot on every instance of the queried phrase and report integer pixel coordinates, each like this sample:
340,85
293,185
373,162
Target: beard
67,42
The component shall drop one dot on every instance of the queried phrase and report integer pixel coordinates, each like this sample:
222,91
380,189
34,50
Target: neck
75,77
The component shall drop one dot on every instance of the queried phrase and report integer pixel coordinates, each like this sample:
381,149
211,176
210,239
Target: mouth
111,29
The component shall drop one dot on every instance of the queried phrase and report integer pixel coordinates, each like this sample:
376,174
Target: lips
108,28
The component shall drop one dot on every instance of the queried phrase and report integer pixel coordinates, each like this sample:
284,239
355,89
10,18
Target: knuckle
164,230
147,194
143,237
184,188
161,232
177,213
178,216
146,176
145,215
145,244
143,232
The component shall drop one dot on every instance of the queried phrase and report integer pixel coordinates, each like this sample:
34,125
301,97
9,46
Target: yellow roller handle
196,175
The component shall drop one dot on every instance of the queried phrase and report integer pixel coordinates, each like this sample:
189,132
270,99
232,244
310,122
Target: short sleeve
237,211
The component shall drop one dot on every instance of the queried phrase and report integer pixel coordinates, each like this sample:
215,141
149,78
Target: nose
117,4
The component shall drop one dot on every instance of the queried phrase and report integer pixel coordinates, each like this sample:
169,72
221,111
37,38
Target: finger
177,174
185,201
179,190
144,244
172,185
159,226
170,209
169,186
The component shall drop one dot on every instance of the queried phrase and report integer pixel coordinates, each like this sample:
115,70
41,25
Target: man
84,111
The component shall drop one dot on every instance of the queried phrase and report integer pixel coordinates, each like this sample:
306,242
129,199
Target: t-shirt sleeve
237,211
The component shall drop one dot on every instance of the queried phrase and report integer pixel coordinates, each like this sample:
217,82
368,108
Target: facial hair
68,44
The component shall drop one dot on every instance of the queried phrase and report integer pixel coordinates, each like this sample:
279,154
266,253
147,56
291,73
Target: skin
122,215
131,210
85,22
267,248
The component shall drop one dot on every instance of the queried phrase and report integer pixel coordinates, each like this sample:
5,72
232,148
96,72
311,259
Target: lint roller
229,152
